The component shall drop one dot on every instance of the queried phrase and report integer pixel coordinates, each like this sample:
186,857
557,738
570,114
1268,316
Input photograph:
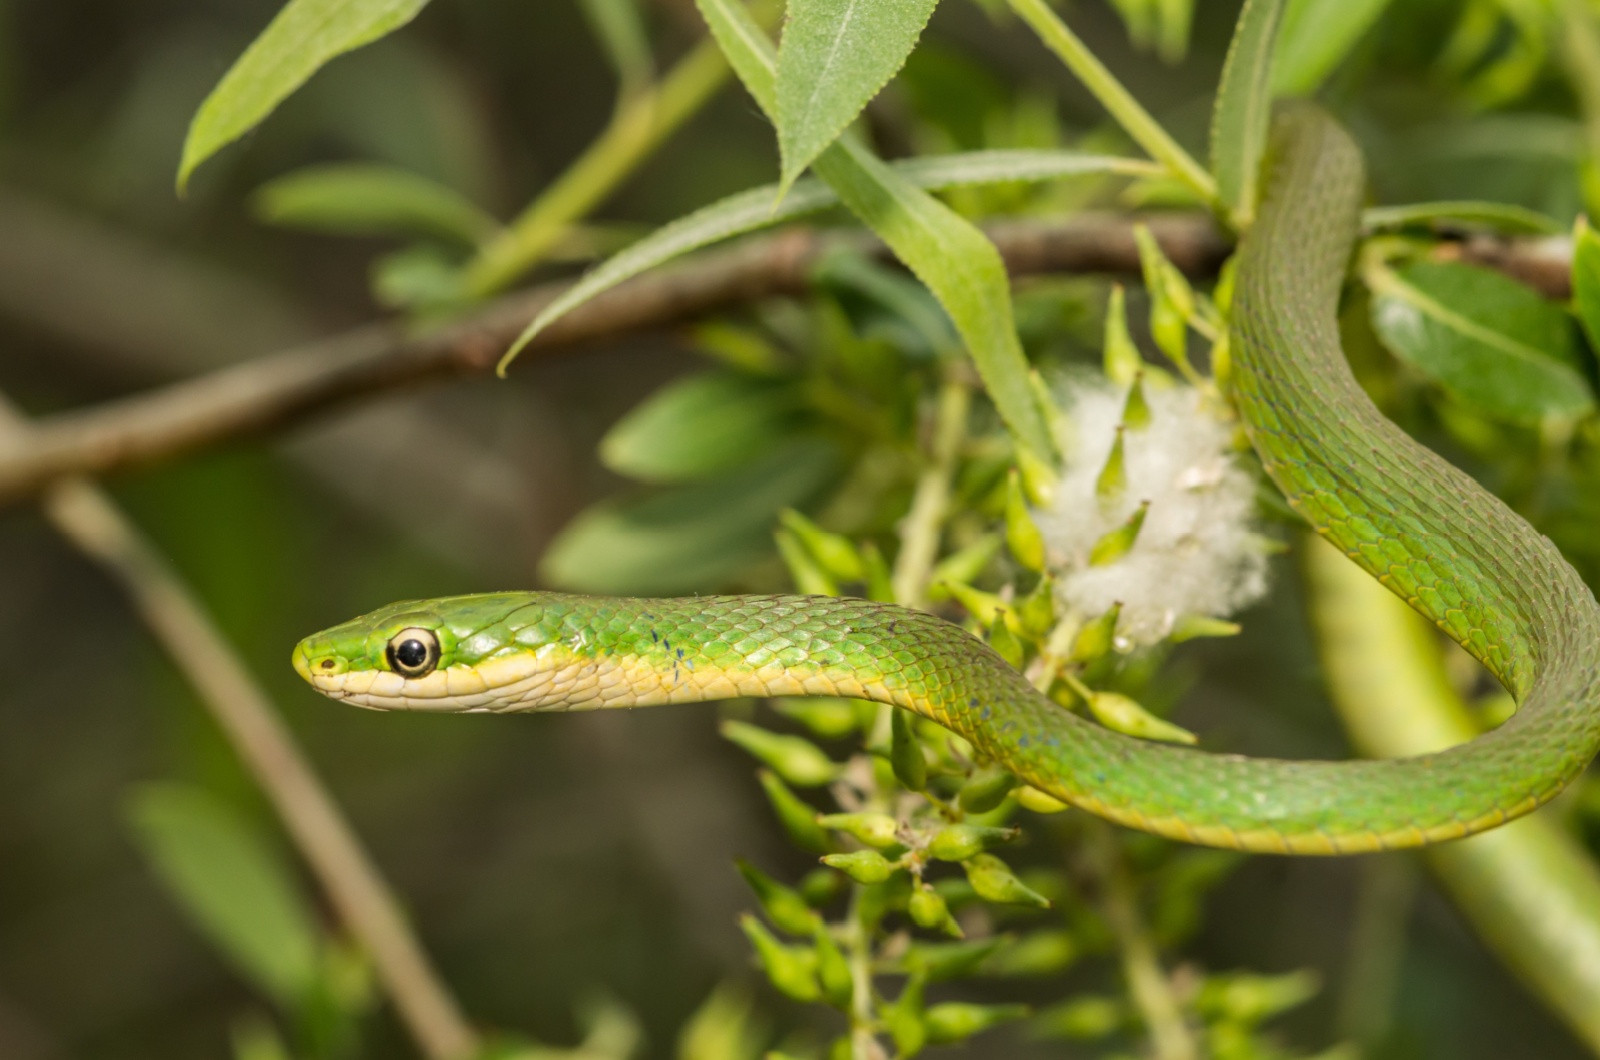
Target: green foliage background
574,876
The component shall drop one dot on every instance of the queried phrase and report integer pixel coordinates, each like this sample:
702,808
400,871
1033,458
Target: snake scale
1424,529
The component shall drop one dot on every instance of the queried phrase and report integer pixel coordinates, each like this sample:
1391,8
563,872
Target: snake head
453,654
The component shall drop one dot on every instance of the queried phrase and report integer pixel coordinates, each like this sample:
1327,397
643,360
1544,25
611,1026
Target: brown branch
279,389
86,516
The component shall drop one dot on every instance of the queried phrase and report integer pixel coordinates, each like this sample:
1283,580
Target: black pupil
411,654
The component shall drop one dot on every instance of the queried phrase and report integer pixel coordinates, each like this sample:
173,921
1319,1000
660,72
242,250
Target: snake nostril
327,664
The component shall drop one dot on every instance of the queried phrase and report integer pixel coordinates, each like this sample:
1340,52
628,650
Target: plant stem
1134,119
920,530
1141,964
863,1043
637,128
87,517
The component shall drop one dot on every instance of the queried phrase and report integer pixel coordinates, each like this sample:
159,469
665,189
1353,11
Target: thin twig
84,514
1148,985
923,526
279,389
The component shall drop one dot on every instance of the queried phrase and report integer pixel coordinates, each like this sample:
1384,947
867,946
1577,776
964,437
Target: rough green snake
1424,529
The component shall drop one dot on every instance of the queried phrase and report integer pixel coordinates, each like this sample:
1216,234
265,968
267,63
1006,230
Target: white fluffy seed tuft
1197,552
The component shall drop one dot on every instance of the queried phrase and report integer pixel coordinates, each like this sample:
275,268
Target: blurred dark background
547,861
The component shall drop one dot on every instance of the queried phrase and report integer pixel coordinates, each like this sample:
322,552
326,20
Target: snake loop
1426,530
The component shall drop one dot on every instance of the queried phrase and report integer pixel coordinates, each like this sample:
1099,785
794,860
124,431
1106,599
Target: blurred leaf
619,27
1494,216
1172,30
1244,108
943,250
750,210
1140,18
303,36
1493,343
724,1027
1586,279
256,1039
375,200
420,275
834,57
1316,37
232,883
697,426
688,538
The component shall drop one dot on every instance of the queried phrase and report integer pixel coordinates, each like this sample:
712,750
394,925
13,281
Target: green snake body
1427,531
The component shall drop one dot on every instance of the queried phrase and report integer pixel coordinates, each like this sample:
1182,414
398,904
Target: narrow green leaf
372,200
1494,216
296,44
698,426
1492,343
943,250
1317,35
1244,108
748,211
688,538
834,57
1586,279
232,883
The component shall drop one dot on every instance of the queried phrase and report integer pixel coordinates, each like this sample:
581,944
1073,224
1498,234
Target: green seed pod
1113,478
1253,998
905,752
863,866
985,789
833,971
979,604
941,961
1192,627
783,905
962,567
1125,715
904,1019
820,886
873,829
1041,953
1054,415
1032,798
879,583
1005,642
1084,1018
807,574
835,552
827,716
928,909
1039,476
958,842
956,1021
994,882
1122,360
1022,533
1161,277
1036,612
1136,410
796,816
794,758
791,969
1117,543
1094,641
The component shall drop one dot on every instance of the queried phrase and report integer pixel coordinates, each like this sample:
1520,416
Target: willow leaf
1244,107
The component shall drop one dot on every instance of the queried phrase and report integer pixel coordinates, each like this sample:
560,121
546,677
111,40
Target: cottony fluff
1196,553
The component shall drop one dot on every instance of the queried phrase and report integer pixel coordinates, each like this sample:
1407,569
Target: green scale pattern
1426,530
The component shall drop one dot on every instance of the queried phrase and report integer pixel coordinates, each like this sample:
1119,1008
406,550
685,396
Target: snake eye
413,652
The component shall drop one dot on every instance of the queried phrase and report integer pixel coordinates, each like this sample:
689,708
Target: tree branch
280,389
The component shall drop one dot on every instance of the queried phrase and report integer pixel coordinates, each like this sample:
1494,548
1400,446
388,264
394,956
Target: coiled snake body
1453,551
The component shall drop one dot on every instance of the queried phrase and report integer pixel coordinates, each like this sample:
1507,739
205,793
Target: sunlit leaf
748,211
1244,108
698,426
688,538
296,44
1586,279
232,883
1494,216
360,199
1492,343
834,57
1317,35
